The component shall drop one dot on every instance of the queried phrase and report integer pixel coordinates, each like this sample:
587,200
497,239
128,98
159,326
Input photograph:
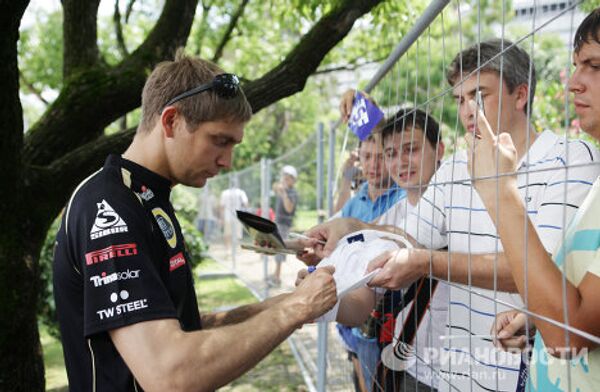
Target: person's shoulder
104,187
98,184
571,149
453,167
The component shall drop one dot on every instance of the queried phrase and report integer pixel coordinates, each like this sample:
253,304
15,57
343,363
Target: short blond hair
171,78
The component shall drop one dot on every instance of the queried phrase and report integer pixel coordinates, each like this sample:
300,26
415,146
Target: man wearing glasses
123,286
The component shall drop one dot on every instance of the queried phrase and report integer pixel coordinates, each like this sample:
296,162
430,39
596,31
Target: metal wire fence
439,325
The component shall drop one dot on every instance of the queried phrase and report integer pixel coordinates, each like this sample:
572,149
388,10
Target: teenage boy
564,287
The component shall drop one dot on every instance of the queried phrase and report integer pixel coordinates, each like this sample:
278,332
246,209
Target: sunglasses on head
224,85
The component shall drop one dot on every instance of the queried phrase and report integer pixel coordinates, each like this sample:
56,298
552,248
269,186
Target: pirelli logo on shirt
111,252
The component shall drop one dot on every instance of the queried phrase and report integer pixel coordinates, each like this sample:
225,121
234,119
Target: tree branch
70,169
350,67
53,183
170,32
291,74
203,26
128,10
11,112
79,36
32,88
119,31
94,98
227,34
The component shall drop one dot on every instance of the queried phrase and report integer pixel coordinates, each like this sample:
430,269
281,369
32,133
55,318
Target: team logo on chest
166,226
146,193
107,222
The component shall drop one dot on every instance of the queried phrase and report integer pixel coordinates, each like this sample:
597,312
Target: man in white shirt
232,199
452,214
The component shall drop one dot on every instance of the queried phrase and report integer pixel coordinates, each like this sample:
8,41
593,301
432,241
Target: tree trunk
21,362
39,170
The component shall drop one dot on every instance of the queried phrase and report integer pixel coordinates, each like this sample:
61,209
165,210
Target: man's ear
168,118
440,149
522,95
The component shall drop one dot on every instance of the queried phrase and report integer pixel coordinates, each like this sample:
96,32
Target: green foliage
40,51
184,202
46,305
590,5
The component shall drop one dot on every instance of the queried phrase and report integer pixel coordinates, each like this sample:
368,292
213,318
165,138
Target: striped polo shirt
556,176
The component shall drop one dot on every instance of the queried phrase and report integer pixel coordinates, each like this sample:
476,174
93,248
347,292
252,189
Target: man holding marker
123,285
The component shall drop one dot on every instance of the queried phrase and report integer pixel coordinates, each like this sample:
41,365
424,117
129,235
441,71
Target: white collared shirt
452,214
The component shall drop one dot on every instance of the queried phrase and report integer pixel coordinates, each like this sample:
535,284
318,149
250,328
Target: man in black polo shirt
123,286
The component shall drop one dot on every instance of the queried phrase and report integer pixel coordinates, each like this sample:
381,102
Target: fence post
323,327
331,170
264,206
320,172
234,184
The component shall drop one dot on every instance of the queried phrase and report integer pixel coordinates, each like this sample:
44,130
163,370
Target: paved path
249,267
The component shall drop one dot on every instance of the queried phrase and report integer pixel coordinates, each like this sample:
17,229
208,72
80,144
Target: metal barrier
411,76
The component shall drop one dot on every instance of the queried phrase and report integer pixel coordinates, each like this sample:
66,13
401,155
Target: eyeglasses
224,85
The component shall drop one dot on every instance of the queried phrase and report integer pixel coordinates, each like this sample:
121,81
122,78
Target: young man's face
410,158
198,155
370,155
489,85
585,86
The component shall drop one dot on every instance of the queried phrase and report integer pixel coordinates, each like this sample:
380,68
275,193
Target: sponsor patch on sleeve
176,261
107,222
110,252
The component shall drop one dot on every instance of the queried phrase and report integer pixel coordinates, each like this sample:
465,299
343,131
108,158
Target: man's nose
224,160
574,84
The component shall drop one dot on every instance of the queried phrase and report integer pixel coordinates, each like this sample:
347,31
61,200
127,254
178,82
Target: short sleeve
594,267
564,192
120,264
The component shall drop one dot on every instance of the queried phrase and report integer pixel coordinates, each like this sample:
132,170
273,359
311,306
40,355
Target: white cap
290,171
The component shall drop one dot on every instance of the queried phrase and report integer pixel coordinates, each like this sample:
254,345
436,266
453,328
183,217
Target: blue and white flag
365,115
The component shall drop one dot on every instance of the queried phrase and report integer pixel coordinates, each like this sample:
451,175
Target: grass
56,374
304,220
277,372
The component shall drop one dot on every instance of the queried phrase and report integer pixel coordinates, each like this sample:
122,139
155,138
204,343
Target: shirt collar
363,192
141,176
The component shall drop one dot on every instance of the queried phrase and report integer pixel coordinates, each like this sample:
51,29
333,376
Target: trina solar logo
105,278
111,252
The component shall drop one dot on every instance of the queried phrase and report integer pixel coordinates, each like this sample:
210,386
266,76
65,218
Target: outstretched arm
496,157
163,357
239,314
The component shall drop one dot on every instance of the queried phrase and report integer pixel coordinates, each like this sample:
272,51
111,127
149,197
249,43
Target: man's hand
490,156
347,101
315,294
399,268
331,232
509,332
308,257
303,273
278,188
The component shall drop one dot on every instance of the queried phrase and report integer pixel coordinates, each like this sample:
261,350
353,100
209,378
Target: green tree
98,85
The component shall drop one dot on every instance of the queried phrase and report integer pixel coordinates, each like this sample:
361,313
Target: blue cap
311,268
